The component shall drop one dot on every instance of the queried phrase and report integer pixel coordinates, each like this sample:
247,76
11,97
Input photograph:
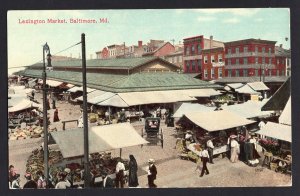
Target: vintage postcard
142,98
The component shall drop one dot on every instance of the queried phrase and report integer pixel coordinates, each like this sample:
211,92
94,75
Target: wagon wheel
162,138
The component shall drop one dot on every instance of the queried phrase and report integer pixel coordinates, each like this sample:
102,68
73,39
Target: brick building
103,54
159,50
250,57
282,61
213,63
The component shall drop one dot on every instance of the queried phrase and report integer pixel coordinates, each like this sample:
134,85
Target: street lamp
45,118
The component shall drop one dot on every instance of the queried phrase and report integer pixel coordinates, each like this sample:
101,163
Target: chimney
211,37
280,45
140,44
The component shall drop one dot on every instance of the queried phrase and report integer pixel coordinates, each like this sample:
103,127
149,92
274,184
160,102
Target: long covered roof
137,82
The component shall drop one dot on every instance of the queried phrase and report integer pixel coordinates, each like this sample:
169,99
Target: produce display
27,132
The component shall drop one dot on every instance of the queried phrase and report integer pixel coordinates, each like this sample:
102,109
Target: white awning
151,97
277,131
246,90
51,83
70,85
80,88
286,115
92,95
200,92
235,85
115,101
249,109
23,105
101,98
101,138
258,86
14,99
217,120
191,107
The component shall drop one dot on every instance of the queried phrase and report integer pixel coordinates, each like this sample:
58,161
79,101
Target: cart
152,131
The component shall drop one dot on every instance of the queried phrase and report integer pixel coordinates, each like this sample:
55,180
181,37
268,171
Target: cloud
247,12
205,18
231,21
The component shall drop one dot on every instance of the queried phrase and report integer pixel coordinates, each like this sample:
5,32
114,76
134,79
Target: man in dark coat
30,184
132,178
107,182
152,172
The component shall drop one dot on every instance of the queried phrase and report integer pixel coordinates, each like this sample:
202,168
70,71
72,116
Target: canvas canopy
249,109
51,83
277,131
14,99
115,101
101,138
80,88
258,86
235,85
246,89
92,95
191,107
23,105
286,115
200,92
101,98
217,120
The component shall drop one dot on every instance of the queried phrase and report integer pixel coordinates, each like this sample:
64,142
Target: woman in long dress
235,150
132,178
55,117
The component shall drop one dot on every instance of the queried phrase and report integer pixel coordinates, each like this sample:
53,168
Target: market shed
277,131
101,138
92,95
217,120
191,107
23,105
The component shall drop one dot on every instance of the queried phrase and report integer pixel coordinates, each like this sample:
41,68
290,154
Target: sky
25,40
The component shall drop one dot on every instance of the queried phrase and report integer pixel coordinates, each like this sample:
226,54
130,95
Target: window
229,73
245,49
256,60
187,51
212,57
270,73
270,61
245,72
229,51
220,72
187,66
205,59
237,50
205,73
193,65
282,73
256,49
199,48
237,73
263,60
245,61
212,73
263,49
229,61
199,65
256,72
220,59
270,51
175,59
193,50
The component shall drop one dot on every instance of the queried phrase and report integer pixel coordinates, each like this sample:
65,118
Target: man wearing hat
152,172
30,184
120,168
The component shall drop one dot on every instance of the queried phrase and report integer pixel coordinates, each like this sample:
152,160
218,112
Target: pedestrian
120,168
107,182
62,182
205,157
55,117
210,148
132,178
16,182
122,115
235,149
53,103
152,172
41,183
80,122
30,184
48,104
11,174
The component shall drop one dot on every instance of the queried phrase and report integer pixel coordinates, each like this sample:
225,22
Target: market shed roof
277,131
101,138
286,115
246,89
267,79
191,107
280,97
258,86
217,120
143,81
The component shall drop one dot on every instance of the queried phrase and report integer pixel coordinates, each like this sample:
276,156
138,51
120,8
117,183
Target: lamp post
45,118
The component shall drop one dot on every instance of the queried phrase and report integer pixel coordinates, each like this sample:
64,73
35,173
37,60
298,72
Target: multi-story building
103,54
115,50
175,58
282,61
194,61
250,57
159,49
213,63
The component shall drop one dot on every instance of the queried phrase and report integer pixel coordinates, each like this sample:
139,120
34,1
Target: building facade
250,57
213,63
282,61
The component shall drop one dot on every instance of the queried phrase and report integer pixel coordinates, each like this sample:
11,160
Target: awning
191,107
277,131
101,98
217,120
249,109
23,105
101,138
14,99
115,101
80,88
246,90
235,85
51,83
200,92
258,86
151,97
92,95
286,115
70,85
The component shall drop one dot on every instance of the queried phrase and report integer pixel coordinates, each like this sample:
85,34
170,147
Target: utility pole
85,119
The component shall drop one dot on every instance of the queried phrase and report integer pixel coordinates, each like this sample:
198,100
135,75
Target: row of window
212,59
246,73
212,73
193,64
175,59
264,60
237,50
192,50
